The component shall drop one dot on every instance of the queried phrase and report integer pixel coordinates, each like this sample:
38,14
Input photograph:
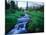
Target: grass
37,21
11,18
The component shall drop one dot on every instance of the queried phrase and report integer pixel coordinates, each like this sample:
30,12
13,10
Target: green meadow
36,23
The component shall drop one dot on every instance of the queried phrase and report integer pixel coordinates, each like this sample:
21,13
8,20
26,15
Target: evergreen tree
7,5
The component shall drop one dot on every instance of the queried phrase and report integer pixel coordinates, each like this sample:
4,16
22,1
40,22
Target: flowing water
20,27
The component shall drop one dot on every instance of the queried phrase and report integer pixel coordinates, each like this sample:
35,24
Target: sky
30,4
22,4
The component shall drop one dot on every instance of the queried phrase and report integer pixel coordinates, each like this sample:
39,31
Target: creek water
20,27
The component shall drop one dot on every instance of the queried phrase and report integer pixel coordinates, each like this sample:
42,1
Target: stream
20,27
